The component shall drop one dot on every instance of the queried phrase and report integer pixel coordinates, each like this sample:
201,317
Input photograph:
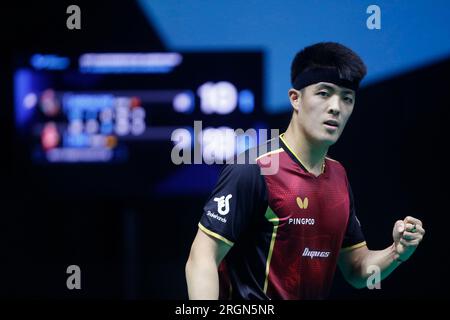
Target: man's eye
348,99
323,93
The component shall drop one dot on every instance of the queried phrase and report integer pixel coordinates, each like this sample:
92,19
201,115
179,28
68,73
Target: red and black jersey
286,229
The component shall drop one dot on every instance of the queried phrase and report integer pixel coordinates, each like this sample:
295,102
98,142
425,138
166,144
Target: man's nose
334,107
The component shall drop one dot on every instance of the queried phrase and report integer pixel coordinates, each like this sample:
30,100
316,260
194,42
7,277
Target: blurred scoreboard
127,108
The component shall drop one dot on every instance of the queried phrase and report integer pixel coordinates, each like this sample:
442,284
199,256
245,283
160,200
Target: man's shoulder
241,167
336,166
335,163
251,156
245,165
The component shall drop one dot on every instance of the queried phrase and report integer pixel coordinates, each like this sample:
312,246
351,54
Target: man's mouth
332,123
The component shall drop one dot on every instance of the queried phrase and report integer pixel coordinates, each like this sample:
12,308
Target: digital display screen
132,109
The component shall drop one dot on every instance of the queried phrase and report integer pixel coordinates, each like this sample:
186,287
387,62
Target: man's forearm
202,280
385,260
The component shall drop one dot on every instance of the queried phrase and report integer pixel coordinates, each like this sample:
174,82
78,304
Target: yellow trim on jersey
215,235
272,217
285,143
270,152
355,246
295,155
331,159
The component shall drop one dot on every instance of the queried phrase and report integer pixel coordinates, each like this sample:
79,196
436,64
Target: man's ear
294,98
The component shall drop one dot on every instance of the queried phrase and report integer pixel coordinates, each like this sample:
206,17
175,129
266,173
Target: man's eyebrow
324,86
348,92
327,86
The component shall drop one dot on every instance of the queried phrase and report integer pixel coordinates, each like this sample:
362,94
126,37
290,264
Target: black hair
330,55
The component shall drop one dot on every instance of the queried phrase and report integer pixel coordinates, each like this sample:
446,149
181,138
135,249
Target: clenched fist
407,234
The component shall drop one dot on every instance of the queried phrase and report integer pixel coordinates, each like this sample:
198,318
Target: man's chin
323,140
326,141
329,143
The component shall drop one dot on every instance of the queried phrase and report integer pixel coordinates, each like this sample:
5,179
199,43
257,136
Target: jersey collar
296,159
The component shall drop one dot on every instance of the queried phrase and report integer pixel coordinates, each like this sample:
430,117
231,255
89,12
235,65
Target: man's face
323,110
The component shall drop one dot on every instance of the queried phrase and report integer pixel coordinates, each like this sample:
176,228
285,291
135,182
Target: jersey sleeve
236,198
354,237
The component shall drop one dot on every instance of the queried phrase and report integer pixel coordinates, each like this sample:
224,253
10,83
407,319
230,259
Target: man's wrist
397,258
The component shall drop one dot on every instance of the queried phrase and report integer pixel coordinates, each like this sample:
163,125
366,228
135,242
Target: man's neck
311,156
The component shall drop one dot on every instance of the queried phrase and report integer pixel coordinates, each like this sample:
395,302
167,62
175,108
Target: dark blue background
135,247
